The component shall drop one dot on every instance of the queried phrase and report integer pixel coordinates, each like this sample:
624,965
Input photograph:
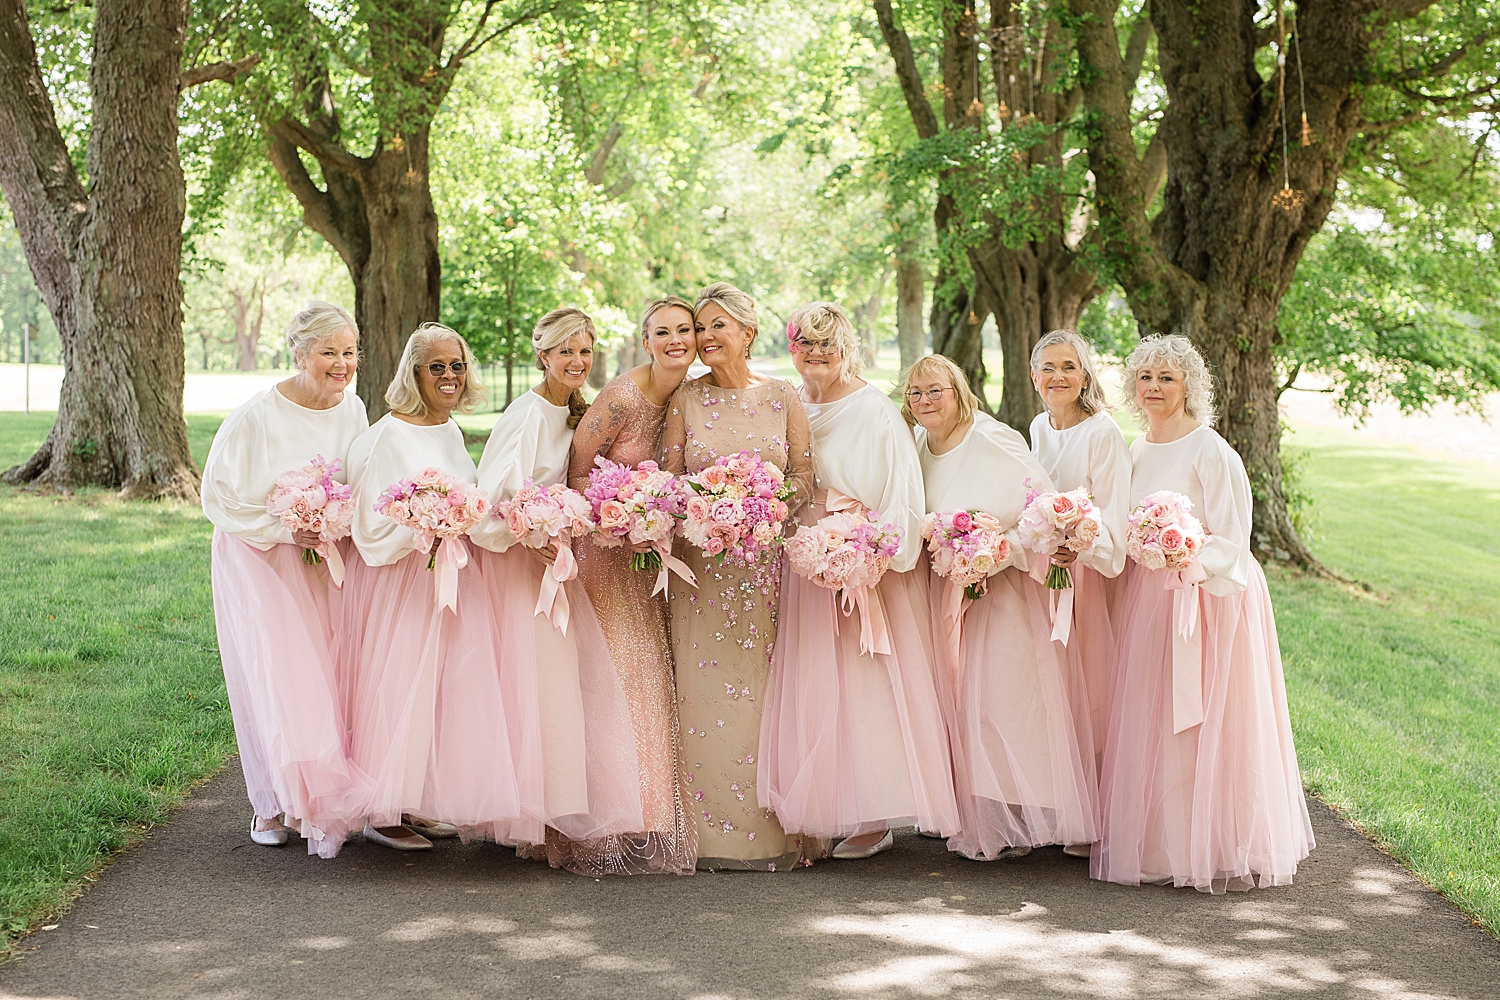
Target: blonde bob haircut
314,323
657,305
935,367
405,398
1172,350
827,324
1092,399
739,305
554,330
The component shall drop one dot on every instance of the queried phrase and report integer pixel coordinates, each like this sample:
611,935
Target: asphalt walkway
200,912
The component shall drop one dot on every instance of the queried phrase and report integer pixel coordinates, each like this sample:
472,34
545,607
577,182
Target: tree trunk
107,261
911,334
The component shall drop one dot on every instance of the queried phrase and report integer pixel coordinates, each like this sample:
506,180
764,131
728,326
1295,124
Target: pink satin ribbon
552,603
330,553
1059,604
874,634
452,556
670,564
1187,647
954,606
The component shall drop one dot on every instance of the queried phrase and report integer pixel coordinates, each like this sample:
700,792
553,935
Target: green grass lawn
112,705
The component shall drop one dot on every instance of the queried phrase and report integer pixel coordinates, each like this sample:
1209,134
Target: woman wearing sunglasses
429,720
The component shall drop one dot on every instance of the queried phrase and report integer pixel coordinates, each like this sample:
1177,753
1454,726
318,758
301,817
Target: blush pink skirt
1092,649
432,719
1218,805
854,743
1023,754
277,622
579,774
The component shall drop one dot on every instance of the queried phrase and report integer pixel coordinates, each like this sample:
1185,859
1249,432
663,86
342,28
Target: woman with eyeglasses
277,616
853,740
624,425
581,780
431,722
1078,442
1023,764
724,630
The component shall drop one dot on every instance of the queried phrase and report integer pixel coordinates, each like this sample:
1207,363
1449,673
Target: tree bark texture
106,259
1038,285
1237,214
911,334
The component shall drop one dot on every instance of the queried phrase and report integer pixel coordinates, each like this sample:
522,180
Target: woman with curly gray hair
1199,783
1078,442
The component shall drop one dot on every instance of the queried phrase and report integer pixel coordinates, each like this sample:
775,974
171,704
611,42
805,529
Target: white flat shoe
1018,851
1076,850
268,838
848,852
929,834
414,842
430,828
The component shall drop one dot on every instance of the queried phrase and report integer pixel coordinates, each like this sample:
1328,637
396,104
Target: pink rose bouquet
644,505
966,547
735,506
542,517
849,550
310,499
1163,533
438,508
1054,521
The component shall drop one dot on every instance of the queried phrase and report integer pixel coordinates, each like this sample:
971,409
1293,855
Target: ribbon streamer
1059,604
954,606
330,553
552,603
1187,647
874,633
670,564
452,556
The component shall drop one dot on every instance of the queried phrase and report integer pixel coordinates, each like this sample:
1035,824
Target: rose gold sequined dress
724,631
624,426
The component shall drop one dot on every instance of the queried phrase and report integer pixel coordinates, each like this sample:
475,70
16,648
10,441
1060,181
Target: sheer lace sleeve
799,452
674,437
596,432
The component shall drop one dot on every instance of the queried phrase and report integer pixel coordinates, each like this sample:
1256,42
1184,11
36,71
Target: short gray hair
405,398
1172,350
316,322
1092,399
827,323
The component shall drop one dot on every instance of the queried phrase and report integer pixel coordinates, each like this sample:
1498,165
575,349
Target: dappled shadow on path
198,912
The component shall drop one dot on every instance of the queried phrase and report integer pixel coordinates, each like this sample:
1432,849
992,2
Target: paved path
199,912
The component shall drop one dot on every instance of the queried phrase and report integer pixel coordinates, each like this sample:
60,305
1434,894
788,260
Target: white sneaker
409,842
274,837
848,852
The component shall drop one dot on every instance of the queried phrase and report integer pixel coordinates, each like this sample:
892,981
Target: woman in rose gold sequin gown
723,632
624,425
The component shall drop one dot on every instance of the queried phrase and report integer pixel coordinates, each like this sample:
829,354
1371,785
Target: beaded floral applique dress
624,426
724,631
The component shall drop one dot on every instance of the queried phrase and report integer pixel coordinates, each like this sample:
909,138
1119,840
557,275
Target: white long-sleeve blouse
389,451
530,440
1092,455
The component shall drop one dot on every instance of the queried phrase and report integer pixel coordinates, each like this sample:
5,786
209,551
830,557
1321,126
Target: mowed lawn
112,705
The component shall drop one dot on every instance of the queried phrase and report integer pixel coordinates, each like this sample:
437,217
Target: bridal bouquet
1163,532
438,508
542,517
1055,521
735,506
641,504
966,547
310,499
845,550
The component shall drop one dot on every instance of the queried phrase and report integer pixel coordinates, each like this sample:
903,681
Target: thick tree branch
1447,62
478,39
217,71
600,160
1135,47
896,40
326,150
317,210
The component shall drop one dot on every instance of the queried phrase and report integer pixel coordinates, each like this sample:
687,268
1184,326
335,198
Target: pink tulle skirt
854,743
579,775
1221,803
1091,648
1023,762
277,620
431,719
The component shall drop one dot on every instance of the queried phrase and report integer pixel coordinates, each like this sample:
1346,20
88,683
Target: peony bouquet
966,546
310,499
844,550
542,517
735,506
438,508
641,504
1054,521
1163,532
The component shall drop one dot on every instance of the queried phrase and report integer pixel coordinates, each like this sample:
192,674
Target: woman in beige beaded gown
624,424
724,630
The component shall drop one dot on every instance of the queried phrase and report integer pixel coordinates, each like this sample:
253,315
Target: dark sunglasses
437,368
